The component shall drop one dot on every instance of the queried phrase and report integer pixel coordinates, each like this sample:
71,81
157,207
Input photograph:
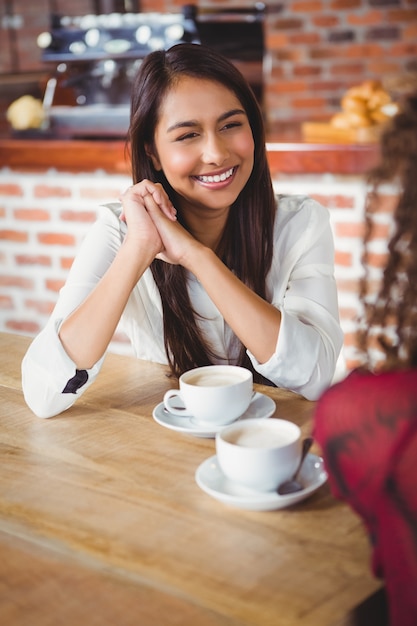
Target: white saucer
211,479
261,407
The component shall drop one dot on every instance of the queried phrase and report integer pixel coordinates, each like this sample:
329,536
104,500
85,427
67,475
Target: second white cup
260,454
214,394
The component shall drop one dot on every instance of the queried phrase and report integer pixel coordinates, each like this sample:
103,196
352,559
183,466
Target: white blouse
300,284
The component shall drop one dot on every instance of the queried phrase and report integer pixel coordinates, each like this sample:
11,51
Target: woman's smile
217,180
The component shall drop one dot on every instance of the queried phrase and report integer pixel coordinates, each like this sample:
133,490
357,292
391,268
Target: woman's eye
230,125
187,136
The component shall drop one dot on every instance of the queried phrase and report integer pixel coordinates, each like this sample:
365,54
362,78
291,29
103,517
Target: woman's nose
215,150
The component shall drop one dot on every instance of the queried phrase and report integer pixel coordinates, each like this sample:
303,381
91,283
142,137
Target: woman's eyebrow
228,114
193,123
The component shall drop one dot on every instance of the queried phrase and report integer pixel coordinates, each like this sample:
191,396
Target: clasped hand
152,222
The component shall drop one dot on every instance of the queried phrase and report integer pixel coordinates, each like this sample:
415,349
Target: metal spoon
293,485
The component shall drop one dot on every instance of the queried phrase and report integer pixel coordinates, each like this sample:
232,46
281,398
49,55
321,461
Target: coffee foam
213,380
259,438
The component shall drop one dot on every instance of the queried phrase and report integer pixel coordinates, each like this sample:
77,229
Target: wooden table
102,522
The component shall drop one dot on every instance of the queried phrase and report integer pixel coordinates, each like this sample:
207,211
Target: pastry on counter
26,112
363,106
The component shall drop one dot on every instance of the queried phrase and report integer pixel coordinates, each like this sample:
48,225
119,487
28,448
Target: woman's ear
154,158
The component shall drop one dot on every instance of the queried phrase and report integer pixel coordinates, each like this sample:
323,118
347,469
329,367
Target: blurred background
65,75
300,56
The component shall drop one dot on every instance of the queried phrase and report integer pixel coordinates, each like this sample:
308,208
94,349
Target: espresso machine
95,58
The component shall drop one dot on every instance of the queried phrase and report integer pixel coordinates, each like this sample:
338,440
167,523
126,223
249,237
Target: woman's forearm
255,321
88,330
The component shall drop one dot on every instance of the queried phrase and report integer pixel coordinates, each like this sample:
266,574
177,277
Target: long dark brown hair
246,245
390,319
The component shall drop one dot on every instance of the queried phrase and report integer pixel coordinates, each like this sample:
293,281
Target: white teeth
217,178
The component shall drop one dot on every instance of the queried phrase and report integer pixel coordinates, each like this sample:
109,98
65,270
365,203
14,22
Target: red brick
292,86
13,235
16,281
6,302
292,55
51,239
382,67
78,216
31,328
276,40
325,21
307,103
348,285
338,5
410,31
307,70
364,19
335,201
343,258
48,191
41,307
99,193
304,38
54,285
327,52
387,203
365,51
32,215
377,260
33,259
381,231
404,49
402,15
287,24
66,262
348,229
307,6
343,69
348,314
10,190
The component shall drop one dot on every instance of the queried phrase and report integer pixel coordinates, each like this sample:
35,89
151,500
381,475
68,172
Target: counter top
81,155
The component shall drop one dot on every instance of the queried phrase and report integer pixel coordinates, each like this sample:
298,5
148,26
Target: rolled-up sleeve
51,382
52,385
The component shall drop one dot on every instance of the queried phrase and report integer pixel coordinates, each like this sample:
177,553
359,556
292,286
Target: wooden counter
285,157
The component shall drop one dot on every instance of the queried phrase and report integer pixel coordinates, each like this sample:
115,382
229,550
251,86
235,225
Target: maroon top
367,428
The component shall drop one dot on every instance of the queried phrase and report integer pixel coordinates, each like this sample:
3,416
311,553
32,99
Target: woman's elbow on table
41,395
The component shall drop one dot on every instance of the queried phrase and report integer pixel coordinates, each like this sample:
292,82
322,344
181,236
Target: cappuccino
213,394
213,380
259,438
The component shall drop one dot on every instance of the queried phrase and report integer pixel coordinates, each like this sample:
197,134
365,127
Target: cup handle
175,409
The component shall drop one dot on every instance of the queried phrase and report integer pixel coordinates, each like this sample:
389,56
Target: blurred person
367,423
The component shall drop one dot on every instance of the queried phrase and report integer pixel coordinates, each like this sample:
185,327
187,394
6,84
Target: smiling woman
200,262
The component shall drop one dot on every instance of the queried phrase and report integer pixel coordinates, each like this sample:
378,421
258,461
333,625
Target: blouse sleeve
50,380
303,287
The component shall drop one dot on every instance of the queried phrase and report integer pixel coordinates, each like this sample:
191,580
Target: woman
198,263
367,424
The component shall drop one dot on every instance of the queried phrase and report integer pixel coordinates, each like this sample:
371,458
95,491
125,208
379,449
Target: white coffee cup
260,454
214,394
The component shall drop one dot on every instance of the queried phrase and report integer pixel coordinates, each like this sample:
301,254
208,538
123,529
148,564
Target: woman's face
203,144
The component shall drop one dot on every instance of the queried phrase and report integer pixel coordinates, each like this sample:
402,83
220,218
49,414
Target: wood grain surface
102,522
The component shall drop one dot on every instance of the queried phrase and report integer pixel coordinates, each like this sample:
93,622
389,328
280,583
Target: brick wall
316,49
43,218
